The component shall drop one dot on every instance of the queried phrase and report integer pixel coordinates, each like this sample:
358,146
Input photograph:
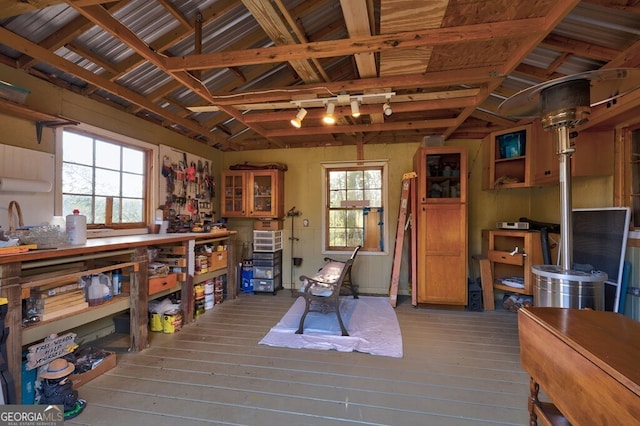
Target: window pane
354,180
373,179
337,180
132,210
107,182
337,237
107,155
82,203
354,194
77,148
336,198
337,218
77,179
355,236
132,185
101,210
374,197
354,218
132,160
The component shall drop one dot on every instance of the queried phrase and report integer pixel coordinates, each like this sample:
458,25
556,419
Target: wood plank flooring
459,368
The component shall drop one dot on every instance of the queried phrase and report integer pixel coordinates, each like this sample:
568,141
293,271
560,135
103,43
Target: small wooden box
218,260
107,364
156,285
267,225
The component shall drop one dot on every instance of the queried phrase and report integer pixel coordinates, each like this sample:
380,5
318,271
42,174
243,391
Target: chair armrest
317,281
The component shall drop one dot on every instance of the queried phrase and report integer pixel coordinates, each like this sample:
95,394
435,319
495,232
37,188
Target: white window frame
384,164
117,138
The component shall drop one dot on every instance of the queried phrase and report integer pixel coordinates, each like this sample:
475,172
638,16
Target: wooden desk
587,362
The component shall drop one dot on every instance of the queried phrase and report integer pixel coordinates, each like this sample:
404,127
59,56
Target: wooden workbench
121,251
585,361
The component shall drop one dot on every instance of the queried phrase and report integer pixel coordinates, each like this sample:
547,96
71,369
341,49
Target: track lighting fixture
329,117
386,109
297,120
355,108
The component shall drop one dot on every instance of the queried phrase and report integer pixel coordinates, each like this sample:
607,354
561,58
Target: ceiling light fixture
297,120
329,117
355,108
386,109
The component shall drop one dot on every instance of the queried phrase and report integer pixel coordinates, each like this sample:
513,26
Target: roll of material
24,185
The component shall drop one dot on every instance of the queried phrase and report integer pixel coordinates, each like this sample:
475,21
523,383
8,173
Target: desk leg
534,389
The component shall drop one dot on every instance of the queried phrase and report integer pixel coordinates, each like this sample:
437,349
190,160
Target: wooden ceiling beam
351,46
470,76
32,49
276,28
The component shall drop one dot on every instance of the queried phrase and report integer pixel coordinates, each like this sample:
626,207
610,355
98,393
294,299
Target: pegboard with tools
187,184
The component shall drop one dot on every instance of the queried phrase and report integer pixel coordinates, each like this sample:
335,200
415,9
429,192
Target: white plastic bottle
76,228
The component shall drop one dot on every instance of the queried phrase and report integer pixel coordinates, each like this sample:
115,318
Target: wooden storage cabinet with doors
442,255
526,156
253,193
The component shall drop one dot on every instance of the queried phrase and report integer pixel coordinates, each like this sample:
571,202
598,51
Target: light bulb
386,108
329,118
297,120
355,108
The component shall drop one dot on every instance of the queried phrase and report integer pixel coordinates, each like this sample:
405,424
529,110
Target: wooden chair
321,292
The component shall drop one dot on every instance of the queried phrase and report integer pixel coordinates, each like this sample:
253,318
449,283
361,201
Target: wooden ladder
406,195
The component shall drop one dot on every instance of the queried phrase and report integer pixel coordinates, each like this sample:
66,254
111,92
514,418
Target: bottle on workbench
76,228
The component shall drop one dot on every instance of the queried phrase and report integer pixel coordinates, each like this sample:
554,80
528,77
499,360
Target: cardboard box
268,225
218,260
156,285
107,364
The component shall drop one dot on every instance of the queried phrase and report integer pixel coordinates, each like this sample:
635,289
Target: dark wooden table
587,362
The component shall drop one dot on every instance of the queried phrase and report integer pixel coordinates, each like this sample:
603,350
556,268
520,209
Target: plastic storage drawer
268,272
267,241
266,286
267,258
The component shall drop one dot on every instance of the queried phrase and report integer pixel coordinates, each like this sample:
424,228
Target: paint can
208,287
199,307
172,321
155,323
208,301
198,291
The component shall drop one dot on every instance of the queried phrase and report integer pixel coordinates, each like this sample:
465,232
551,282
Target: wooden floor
459,368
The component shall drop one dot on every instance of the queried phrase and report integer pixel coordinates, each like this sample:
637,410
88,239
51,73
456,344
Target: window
631,136
355,196
106,180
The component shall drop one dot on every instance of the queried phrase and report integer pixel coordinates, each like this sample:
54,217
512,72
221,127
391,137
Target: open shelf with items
40,279
442,175
509,158
512,254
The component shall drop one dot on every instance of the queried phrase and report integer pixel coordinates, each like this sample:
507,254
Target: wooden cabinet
253,193
442,225
538,164
509,158
594,155
512,254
